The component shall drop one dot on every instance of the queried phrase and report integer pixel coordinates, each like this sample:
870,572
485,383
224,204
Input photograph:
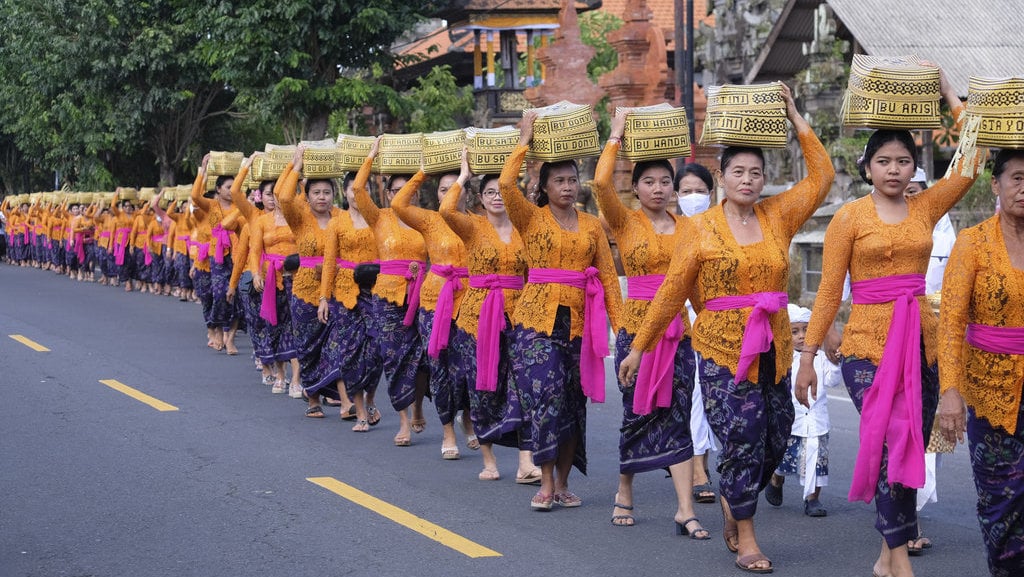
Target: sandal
450,453
541,502
773,494
473,443
567,499
744,563
729,531
372,415
350,414
402,441
704,493
489,475
623,520
698,534
361,426
418,425
531,478
316,412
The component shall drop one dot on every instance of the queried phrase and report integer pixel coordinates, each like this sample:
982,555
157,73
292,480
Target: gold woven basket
320,159
564,131
654,133
999,102
489,148
146,194
353,150
182,193
128,194
211,183
224,163
401,153
745,115
275,158
442,151
892,92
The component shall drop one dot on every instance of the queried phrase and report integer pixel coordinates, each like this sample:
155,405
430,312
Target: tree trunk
167,177
316,126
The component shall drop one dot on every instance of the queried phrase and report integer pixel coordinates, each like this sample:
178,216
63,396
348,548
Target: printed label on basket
224,163
489,148
892,92
442,151
655,132
1000,104
352,151
400,153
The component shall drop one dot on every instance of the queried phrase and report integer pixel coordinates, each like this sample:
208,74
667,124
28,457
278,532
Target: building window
811,274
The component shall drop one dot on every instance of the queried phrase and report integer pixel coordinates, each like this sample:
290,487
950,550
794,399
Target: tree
306,59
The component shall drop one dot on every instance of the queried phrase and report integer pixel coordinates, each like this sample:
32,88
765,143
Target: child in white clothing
807,452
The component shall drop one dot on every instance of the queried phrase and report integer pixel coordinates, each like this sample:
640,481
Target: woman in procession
981,362
402,253
480,345
440,296
308,218
560,333
655,431
739,266
347,308
889,344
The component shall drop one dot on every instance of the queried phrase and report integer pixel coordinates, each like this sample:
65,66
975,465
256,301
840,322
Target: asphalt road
96,483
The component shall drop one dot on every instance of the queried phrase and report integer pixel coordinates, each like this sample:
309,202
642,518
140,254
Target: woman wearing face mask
884,240
981,362
560,335
655,431
693,186
348,307
308,219
480,346
739,265
443,289
402,254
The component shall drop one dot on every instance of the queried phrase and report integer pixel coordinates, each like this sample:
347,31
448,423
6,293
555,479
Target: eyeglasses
491,193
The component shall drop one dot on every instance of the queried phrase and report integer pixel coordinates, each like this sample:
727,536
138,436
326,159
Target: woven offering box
320,159
224,163
147,194
128,194
442,151
256,168
182,193
211,183
400,153
275,158
999,102
654,133
745,115
563,131
353,150
489,148
85,197
250,183
892,92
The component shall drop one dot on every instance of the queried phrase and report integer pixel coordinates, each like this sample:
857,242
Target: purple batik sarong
204,292
400,350
753,422
449,398
223,312
361,365
488,410
319,358
548,395
895,504
660,438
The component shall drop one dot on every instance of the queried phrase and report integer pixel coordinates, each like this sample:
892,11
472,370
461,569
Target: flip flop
729,530
450,453
418,425
489,475
316,412
531,478
372,415
349,415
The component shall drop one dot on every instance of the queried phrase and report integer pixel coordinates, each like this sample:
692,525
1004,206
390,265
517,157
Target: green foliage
595,27
979,203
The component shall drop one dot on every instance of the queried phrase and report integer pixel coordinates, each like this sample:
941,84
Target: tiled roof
965,38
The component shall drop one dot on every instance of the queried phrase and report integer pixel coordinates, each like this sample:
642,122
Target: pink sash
400,267
997,340
268,304
891,411
757,336
491,322
440,332
595,323
80,247
654,379
223,238
120,244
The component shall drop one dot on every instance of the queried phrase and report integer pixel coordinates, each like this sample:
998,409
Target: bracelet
614,139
